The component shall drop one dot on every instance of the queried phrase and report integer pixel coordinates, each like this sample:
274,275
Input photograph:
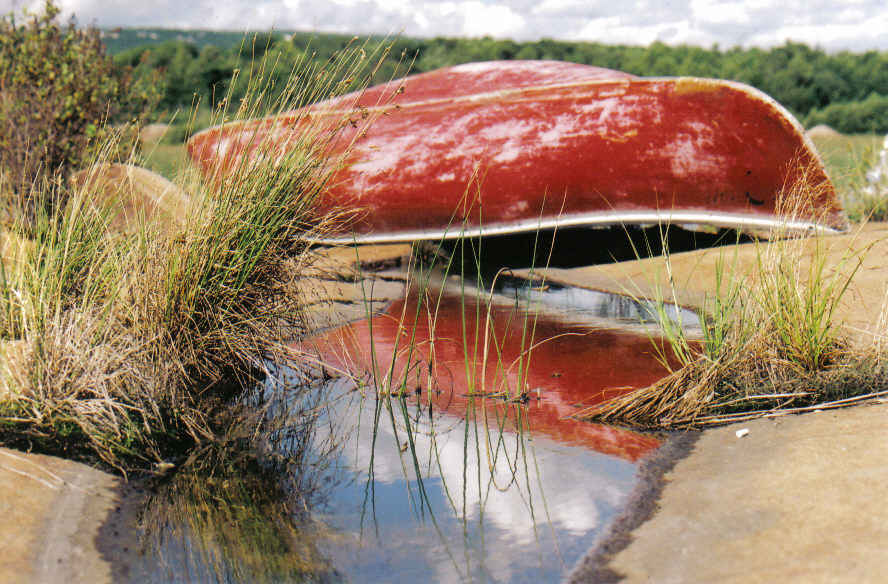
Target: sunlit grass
847,159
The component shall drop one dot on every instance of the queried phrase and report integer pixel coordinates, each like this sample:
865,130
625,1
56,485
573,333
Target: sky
833,25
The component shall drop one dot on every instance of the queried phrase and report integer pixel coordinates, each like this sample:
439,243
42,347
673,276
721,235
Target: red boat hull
569,367
554,144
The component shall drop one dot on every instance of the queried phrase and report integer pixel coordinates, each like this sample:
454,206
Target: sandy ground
797,499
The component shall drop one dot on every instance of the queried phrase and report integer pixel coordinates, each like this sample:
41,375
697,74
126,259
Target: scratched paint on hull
515,146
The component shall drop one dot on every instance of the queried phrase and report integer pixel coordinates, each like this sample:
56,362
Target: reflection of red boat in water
461,368
513,146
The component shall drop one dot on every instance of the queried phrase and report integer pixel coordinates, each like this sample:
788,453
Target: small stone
742,433
153,133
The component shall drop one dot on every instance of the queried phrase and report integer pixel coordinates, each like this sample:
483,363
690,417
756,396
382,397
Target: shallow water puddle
587,307
441,449
463,462
452,499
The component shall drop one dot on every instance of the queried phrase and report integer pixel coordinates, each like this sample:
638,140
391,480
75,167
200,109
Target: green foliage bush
856,117
58,89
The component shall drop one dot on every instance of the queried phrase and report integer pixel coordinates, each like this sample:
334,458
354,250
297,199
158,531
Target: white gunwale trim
598,219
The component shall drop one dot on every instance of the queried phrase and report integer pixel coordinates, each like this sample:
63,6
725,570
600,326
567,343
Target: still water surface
463,502
443,448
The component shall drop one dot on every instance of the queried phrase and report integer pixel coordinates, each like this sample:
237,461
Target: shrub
57,89
856,117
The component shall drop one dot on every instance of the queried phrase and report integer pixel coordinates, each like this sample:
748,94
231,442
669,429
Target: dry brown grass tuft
129,338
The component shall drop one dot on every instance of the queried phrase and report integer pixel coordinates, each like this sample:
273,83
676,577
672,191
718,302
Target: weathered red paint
569,367
510,146
472,79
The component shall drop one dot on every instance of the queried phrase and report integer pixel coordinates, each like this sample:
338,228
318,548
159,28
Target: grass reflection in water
238,510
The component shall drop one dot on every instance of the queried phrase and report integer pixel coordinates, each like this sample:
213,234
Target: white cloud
615,30
490,19
561,7
831,24
708,11
857,36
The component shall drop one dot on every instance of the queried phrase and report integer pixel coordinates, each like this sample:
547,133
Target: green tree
803,78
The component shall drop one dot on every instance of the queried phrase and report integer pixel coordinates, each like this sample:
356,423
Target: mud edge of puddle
642,504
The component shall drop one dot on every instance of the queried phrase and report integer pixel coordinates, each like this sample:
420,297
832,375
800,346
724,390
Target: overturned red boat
510,146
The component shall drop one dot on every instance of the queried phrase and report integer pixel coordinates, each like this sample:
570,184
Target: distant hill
121,39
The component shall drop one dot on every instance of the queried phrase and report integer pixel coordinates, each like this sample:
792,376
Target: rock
13,248
821,131
153,133
66,521
338,285
352,261
803,502
138,192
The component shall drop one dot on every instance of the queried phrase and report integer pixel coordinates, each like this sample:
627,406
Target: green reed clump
770,344
122,341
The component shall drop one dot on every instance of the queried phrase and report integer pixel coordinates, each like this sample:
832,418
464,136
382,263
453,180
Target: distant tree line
848,91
